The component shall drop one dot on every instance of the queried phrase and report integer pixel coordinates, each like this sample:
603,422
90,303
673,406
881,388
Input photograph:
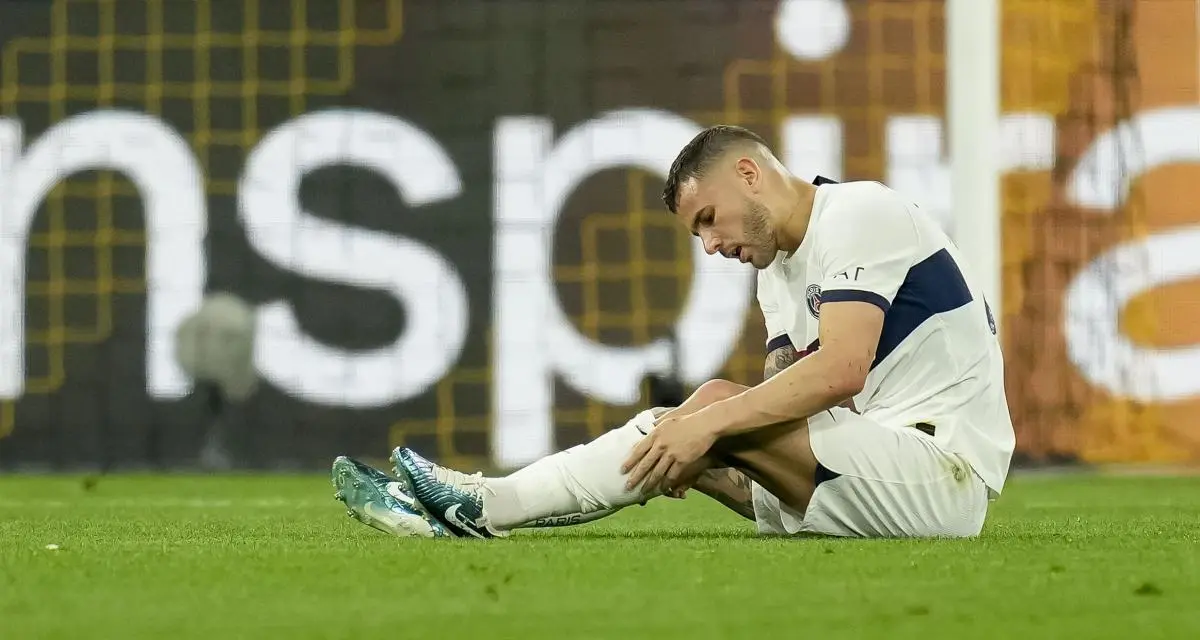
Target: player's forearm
814,384
778,360
784,357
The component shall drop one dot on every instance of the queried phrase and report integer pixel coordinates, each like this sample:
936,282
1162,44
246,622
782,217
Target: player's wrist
726,417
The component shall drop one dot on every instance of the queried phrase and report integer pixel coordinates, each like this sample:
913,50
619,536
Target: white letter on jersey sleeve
161,166
865,242
434,298
534,338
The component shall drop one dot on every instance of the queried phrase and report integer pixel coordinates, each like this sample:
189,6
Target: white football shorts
886,482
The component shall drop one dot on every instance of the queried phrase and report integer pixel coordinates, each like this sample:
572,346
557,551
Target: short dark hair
697,156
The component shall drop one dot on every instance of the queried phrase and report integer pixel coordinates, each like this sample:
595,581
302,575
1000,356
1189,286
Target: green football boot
454,498
377,500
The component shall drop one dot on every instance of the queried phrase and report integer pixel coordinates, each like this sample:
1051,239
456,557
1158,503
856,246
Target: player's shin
583,482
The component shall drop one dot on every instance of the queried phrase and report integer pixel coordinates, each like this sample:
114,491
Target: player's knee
716,391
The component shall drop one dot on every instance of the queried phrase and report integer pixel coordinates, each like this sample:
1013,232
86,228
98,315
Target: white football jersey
938,360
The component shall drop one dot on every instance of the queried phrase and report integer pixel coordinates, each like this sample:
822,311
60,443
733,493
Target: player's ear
747,171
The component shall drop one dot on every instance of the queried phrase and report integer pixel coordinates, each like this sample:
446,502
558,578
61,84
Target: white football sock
585,480
568,520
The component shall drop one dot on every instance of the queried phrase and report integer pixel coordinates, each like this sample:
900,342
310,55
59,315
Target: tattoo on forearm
778,360
784,357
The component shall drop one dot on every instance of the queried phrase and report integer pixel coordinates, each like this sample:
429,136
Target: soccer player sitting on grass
867,307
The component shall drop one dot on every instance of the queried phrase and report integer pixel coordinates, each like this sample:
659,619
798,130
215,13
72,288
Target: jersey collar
785,258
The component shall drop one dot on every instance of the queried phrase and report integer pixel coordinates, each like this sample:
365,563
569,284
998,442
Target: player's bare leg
731,481
730,487
720,481
779,459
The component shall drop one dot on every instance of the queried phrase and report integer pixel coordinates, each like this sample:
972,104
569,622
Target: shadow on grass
581,534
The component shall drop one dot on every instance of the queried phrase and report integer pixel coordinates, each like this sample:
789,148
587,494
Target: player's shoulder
859,208
864,197
851,187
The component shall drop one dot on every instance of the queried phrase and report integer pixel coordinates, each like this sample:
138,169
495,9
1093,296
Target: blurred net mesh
1077,61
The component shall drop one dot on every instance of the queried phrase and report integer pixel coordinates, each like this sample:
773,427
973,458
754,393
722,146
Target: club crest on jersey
813,297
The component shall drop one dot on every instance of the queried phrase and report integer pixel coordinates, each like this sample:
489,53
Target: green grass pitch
275,557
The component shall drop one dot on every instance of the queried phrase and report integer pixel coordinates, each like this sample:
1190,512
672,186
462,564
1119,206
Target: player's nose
711,245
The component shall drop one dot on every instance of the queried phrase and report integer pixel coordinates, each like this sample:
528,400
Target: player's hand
670,458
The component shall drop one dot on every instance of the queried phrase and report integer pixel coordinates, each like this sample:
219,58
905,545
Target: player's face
728,220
